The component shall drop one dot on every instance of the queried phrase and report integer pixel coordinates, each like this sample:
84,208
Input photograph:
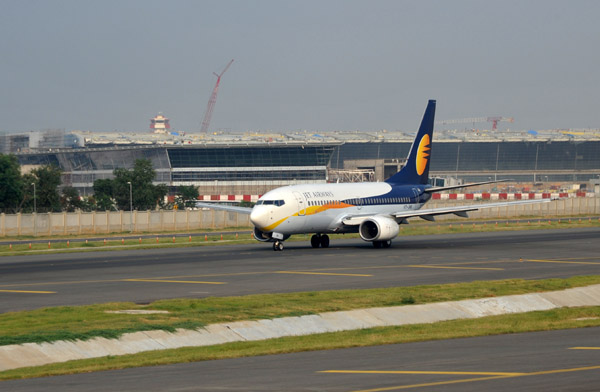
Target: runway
142,276
567,360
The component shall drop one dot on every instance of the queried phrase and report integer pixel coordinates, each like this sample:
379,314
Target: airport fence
562,207
74,223
66,223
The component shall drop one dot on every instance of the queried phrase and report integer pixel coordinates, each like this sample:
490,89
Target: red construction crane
493,120
212,101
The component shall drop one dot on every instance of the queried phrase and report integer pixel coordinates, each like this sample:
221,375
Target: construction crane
212,101
493,120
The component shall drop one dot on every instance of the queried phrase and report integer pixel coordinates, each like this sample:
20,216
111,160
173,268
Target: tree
103,194
160,191
47,181
88,204
11,183
186,196
70,200
120,188
145,194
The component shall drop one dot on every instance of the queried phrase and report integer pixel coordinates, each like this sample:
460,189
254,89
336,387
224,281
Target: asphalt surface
142,276
567,360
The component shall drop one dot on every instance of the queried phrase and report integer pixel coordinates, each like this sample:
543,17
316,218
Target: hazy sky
315,65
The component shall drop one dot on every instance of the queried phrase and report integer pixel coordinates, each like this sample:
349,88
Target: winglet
416,170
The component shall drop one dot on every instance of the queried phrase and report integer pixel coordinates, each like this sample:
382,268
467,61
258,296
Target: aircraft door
301,203
359,202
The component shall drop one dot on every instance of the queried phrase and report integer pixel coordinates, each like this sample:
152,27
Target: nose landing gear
278,245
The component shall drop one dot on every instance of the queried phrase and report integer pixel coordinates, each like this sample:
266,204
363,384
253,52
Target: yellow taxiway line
460,268
433,384
562,262
169,281
584,348
319,273
490,376
27,292
423,372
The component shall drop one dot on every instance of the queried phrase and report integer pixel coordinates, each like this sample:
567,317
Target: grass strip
85,322
494,325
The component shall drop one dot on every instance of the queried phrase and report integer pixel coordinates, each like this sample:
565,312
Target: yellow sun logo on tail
423,154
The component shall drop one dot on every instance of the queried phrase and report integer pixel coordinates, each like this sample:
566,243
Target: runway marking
422,372
431,384
562,262
477,262
58,283
169,281
460,268
492,376
584,348
27,292
214,275
319,273
177,278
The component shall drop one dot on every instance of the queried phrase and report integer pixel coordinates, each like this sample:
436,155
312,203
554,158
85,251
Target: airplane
373,209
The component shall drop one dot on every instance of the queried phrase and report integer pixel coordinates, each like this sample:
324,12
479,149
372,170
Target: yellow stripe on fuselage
312,210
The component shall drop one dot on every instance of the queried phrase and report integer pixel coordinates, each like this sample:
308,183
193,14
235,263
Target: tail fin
416,170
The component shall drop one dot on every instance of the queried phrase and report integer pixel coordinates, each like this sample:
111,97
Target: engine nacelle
378,228
260,236
266,237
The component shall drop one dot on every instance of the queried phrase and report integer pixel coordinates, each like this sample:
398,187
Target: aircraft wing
216,206
429,214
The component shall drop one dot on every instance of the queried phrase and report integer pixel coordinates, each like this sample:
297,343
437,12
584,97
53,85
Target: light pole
130,207
34,211
34,201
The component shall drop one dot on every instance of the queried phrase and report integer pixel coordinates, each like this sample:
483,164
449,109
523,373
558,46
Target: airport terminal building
522,160
251,164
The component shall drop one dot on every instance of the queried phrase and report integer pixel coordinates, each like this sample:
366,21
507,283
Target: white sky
315,65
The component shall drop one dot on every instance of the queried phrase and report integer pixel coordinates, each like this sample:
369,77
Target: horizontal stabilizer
460,210
216,206
445,188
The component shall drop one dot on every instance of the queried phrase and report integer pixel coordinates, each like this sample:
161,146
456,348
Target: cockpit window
277,203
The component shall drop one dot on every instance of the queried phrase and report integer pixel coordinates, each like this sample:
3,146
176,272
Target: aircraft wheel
278,246
377,244
386,244
325,241
315,241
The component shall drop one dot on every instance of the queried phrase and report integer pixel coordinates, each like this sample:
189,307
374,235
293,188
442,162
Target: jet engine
260,236
378,228
266,237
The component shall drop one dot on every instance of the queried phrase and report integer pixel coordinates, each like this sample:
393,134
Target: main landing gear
319,240
382,244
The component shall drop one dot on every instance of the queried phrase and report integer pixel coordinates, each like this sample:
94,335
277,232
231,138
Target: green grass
516,323
84,322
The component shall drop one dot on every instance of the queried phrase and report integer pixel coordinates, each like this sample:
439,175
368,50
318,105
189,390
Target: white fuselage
321,208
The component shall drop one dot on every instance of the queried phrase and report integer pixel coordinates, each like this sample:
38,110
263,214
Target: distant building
232,163
214,168
159,124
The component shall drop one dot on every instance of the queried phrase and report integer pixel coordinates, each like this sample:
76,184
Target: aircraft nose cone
259,217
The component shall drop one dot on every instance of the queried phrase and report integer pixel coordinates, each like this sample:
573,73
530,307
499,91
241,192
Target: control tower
159,124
